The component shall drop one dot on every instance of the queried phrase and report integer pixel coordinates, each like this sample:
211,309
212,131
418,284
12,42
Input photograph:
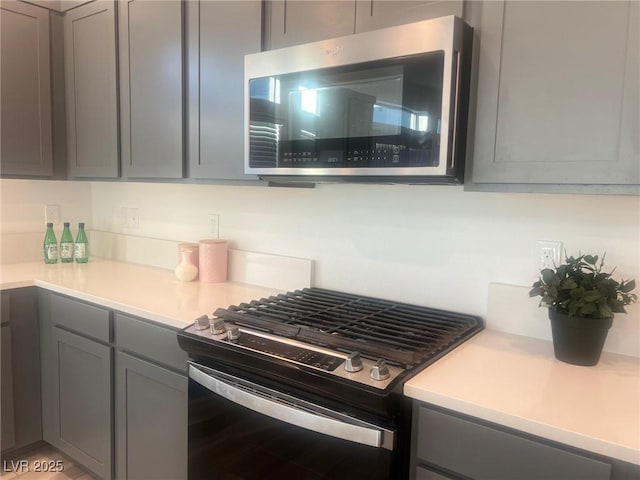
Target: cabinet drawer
481,452
81,317
157,343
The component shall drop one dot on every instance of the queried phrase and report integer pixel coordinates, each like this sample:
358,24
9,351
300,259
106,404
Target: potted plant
582,300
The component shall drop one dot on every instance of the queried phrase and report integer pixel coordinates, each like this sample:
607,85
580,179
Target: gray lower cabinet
20,364
114,390
7,420
447,445
151,420
82,400
91,82
220,34
150,402
151,88
25,90
77,358
557,99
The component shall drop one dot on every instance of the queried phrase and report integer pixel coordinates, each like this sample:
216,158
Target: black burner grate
399,332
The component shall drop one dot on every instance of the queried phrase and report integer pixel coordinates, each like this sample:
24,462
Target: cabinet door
92,102
8,433
557,93
82,400
374,14
20,368
220,34
151,78
151,415
478,451
25,91
292,22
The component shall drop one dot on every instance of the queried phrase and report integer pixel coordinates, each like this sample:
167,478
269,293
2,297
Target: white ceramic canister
186,271
213,261
193,250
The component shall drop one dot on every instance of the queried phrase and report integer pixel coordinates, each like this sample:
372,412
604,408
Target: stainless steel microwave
387,106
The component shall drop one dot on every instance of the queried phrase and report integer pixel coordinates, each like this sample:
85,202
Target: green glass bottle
66,245
50,245
81,250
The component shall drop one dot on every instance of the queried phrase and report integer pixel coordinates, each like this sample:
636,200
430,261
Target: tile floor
44,463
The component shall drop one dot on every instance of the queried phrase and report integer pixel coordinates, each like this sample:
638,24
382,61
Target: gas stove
355,339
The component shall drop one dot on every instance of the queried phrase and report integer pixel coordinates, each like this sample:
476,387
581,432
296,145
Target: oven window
229,441
385,113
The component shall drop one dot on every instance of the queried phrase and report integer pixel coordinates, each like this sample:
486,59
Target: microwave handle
456,78
288,413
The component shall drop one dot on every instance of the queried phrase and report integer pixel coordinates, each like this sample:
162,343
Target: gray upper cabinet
292,22
151,88
26,146
92,101
557,99
219,35
374,14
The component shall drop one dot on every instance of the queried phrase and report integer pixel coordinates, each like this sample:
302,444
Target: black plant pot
578,340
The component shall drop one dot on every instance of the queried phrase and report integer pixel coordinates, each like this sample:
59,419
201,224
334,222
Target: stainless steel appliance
308,384
388,105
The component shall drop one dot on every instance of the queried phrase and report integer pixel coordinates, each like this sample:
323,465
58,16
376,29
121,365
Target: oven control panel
349,366
289,352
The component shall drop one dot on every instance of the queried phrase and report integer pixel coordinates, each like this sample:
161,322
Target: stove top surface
359,339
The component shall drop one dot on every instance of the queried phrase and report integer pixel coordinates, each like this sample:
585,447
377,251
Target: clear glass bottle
66,245
81,249
50,245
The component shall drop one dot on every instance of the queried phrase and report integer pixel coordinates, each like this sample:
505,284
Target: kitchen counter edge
516,382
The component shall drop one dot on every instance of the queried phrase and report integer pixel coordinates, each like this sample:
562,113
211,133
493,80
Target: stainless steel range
323,370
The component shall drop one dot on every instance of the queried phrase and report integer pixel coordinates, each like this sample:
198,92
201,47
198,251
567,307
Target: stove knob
353,363
201,323
233,333
380,371
217,326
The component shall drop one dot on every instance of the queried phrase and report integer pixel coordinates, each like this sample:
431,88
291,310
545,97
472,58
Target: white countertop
507,379
147,292
516,381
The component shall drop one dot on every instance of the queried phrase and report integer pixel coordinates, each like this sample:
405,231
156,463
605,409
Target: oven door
241,430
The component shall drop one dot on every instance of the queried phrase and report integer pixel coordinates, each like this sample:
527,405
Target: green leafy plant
580,288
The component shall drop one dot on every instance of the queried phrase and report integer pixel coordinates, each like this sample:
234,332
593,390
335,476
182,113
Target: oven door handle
325,423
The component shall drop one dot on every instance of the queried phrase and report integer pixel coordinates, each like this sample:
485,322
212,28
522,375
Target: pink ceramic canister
213,261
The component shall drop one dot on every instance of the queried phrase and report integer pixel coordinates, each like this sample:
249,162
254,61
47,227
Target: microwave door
341,108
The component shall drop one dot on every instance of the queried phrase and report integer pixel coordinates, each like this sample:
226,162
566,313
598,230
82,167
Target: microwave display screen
385,113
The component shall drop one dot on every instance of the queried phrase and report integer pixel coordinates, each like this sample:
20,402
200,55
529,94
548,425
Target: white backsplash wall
22,214
431,245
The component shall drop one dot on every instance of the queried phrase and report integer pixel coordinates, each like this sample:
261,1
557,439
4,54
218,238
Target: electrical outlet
124,217
133,218
214,224
52,214
549,254
129,218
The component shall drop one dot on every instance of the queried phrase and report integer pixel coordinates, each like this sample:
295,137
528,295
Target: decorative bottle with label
81,249
66,245
50,245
